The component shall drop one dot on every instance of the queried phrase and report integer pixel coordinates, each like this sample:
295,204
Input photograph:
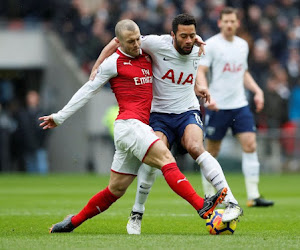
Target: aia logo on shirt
181,80
233,68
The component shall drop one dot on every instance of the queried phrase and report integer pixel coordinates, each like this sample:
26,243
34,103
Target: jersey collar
127,54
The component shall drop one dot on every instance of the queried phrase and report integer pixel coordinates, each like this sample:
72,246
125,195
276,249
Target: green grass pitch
29,205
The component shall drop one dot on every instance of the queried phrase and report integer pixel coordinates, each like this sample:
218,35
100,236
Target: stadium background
50,46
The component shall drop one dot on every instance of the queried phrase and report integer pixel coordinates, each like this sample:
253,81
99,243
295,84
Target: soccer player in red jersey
129,72
175,113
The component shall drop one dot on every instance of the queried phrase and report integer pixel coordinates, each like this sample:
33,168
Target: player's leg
123,171
192,140
145,180
250,168
100,202
213,147
146,177
159,156
244,129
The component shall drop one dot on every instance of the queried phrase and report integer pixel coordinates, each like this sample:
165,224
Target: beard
181,50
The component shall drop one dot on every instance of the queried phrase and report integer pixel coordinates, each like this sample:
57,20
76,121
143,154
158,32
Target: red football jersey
133,86
131,81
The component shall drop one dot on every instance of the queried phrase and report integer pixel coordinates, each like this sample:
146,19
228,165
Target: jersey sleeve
106,71
247,49
207,59
153,43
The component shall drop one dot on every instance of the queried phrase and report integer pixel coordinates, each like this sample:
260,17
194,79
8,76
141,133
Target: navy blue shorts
217,122
173,125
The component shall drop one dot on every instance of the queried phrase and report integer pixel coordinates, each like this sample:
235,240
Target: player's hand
93,74
259,101
212,105
199,42
203,93
48,122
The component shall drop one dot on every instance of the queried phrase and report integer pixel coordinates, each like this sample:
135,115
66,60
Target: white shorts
133,139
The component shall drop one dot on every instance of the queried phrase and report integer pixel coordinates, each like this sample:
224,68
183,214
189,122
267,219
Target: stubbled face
228,25
131,42
184,39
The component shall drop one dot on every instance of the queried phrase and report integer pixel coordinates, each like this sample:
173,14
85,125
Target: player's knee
118,191
249,147
167,155
195,150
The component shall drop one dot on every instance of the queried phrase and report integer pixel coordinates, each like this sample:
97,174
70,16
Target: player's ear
117,40
219,23
172,34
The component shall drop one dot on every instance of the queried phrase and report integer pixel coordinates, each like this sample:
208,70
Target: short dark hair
228,10
184,19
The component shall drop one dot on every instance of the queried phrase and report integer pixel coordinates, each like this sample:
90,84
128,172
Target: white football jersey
173,75
228,63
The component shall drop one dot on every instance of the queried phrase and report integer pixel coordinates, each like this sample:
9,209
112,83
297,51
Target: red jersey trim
149,149
122,173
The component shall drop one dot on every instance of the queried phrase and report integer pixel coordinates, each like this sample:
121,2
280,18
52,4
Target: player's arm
251,85
107,51
202,84
81,97
200,43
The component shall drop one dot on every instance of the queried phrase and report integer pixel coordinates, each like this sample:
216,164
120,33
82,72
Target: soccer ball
214,224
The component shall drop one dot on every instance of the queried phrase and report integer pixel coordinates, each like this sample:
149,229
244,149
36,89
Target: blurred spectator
32,137
293,66
294,105
7,127
271,27
276,99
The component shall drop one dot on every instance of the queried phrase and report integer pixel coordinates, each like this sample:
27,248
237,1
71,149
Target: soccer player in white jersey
129,71
226,57
175,112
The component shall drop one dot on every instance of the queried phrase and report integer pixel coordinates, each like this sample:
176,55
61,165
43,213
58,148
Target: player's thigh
192,140
163,137
247,141
158,155
213,146
118,183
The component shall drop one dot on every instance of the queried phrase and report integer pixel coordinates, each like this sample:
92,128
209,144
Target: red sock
96,205
181,186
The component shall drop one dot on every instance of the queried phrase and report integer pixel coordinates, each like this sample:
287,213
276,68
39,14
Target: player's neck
227,38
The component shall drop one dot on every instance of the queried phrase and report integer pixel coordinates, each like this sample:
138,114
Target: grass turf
30,204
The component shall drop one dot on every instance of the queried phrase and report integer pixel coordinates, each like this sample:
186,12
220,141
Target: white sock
208,189
146,177
213,173
250,167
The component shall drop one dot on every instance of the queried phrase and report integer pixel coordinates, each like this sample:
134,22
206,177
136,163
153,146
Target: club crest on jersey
195,64
148,58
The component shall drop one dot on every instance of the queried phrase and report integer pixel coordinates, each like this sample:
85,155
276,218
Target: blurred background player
226,56
130,74
31,137
175,112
